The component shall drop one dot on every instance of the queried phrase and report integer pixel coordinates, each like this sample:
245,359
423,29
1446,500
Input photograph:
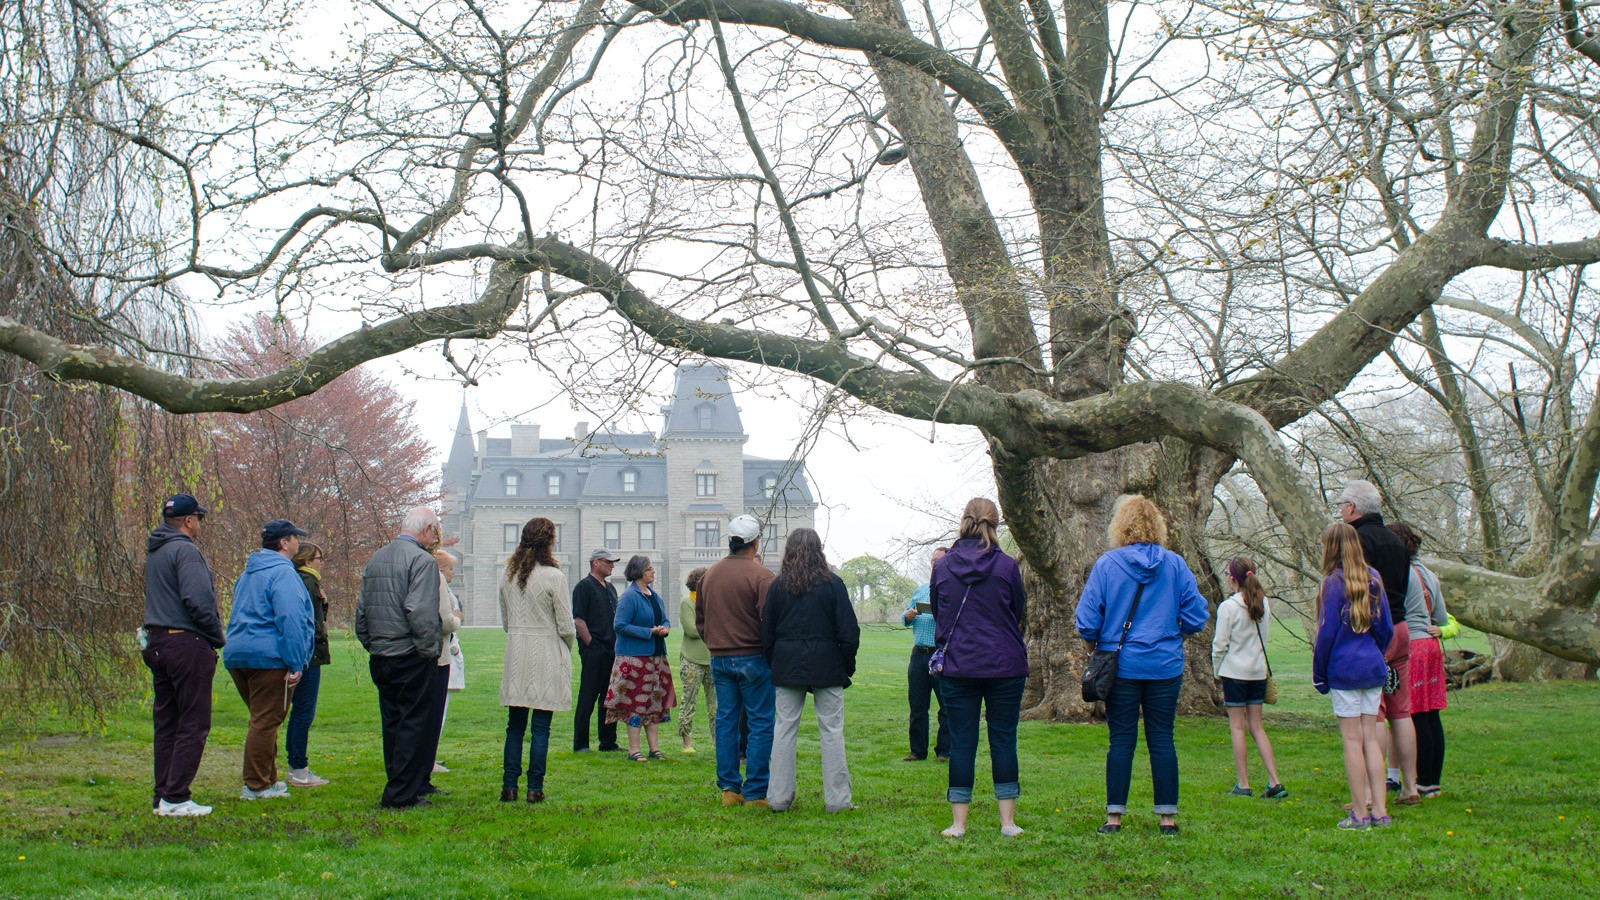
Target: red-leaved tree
343,463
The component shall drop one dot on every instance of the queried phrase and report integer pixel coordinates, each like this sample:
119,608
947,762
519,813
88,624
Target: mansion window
513,483
769,535
552,484
613,535
705,485
707,416
556,547
630,481
647,535
512,535
769,486
708,533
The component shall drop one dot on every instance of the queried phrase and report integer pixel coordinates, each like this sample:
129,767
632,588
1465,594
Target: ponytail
1242,569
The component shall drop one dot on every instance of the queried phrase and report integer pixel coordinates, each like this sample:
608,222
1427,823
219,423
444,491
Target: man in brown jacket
728,617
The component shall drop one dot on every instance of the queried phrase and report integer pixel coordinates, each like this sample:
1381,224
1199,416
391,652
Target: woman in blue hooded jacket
1150,665
978,609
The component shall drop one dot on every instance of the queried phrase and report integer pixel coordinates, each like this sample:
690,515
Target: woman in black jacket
306,561
810,635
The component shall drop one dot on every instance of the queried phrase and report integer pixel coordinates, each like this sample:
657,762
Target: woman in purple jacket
978,607
1142,586
1353,628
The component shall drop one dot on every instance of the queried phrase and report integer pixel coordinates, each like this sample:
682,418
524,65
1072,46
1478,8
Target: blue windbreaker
272,625
1170,607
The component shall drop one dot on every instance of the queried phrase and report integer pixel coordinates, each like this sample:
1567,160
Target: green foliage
1518,814
877,589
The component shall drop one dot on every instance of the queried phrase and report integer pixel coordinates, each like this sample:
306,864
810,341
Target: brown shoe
509,795
761,803
1409,799
912,757
732,798
535,796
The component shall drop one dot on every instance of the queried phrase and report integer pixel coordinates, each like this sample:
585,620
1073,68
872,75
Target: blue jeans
744,687
301,714
517,720
1159,702
1001,699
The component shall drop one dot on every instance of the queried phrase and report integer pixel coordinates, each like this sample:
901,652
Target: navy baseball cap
180,505
281,528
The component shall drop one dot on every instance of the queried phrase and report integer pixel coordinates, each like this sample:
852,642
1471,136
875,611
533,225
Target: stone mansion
667,496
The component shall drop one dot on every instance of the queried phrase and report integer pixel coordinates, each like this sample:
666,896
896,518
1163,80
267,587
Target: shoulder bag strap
957,620
1263,644
1129,623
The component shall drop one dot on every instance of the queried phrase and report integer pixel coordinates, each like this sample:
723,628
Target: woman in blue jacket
1139,568
641,679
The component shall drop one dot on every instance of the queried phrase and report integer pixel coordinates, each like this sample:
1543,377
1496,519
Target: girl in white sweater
1239,659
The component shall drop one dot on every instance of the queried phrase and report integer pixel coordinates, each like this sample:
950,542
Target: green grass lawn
1517,816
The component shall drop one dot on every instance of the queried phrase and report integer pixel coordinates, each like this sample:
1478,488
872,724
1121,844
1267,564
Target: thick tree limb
1537,257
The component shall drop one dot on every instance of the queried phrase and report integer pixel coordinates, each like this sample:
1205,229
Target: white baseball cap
746,528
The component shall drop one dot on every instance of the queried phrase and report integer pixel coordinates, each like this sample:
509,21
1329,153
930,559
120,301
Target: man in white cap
728,617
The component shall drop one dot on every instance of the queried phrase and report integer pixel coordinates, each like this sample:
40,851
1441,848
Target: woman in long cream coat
537,679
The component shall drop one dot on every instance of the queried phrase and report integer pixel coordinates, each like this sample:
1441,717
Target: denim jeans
517,721
744,687
1158,699
1001,699
919,685
301,714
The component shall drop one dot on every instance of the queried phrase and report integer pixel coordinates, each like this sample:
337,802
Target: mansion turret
667,496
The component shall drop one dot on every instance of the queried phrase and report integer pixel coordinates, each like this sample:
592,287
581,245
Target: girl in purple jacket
1353,628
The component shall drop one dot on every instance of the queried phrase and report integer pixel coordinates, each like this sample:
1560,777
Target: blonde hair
445,558
1135,520
981,519
1341,549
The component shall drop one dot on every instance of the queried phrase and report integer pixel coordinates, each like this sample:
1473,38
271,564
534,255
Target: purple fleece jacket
1343,660
983,639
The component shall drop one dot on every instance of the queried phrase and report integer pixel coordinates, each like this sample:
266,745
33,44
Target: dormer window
630,481
707,414
552,484
513,483
705,484
769,486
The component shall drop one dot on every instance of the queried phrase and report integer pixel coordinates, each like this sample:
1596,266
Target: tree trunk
1515,661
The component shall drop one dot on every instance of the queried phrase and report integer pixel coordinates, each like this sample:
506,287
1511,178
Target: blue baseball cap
281,528
180,505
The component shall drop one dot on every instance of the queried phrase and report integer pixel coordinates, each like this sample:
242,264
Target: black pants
182,667
1430,747
592,686
440,689
405,701
919,684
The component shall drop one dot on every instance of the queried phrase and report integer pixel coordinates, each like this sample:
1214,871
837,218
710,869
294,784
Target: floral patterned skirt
641,691
1427,676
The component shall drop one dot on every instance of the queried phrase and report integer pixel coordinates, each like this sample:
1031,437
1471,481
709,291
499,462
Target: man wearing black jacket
594,606
182,633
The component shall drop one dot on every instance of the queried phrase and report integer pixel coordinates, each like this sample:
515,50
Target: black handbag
1101,672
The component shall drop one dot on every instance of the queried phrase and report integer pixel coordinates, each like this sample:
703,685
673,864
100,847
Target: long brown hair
804,564
981,519
1341,549
533,549
1242,569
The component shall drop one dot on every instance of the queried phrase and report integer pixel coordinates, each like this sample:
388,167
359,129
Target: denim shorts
1243,693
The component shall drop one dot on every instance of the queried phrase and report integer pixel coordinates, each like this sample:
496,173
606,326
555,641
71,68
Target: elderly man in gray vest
397,620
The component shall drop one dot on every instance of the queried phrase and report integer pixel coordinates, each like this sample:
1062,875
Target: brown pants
263,692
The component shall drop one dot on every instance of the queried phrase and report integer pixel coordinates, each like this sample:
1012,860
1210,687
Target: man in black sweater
594,607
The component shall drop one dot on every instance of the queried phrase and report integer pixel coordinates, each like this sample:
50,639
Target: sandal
636,756
657,754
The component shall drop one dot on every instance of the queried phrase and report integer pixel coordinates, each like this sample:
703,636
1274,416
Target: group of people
757,642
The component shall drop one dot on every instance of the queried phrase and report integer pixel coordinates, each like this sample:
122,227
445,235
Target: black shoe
1169,830
581,750
1393,786
508,795
610,749
1108,828
430,790
418,801
1275,792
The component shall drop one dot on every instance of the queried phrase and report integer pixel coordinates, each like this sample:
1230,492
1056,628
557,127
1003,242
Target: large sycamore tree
1132,244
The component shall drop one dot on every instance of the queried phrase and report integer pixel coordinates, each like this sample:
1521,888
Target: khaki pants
829,705
263,691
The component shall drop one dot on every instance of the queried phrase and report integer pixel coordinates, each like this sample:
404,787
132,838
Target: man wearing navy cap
270,634
182,634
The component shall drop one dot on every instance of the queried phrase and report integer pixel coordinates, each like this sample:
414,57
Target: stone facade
667,496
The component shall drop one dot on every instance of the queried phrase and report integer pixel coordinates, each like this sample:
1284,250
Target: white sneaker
439,767
186,808
267,793
306,778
